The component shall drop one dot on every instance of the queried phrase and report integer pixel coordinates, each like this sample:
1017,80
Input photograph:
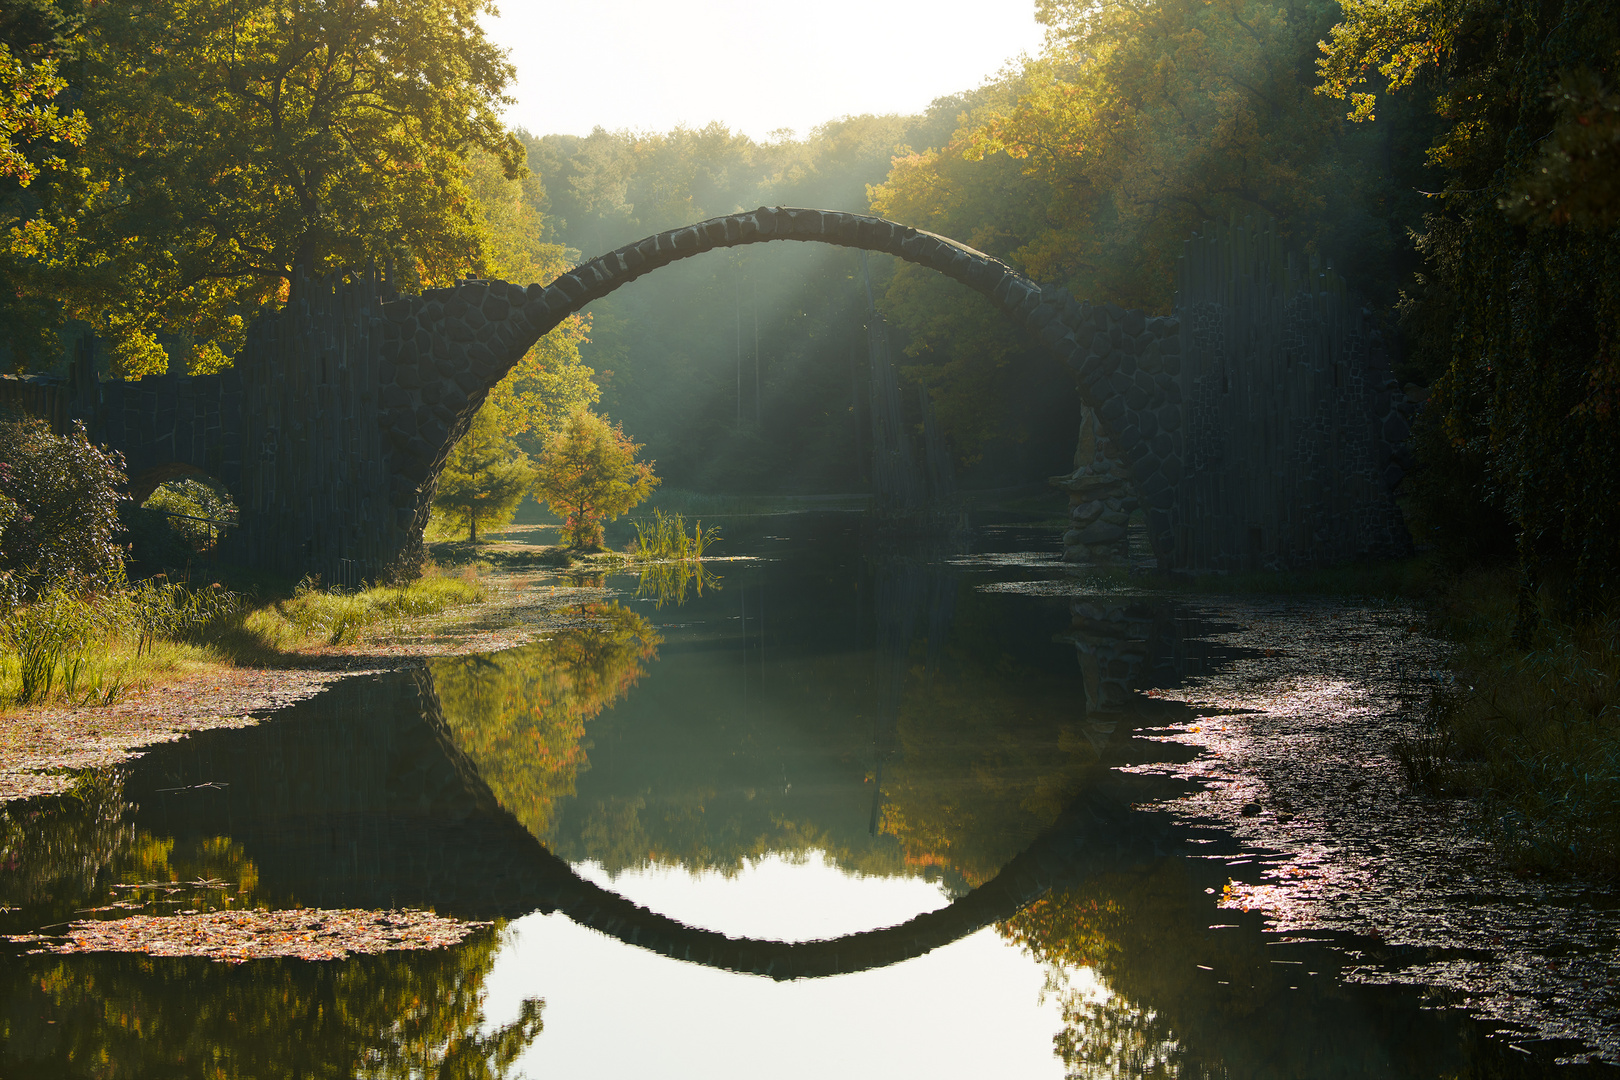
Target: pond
911,807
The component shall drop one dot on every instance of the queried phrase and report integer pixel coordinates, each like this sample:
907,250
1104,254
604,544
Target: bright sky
650,65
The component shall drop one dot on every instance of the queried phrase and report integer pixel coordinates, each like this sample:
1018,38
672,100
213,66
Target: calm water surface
909,809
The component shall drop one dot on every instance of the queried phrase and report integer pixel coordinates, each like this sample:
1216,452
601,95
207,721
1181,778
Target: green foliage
1091,164
234,142
36,133
64,494
1516,324
587,472
484,479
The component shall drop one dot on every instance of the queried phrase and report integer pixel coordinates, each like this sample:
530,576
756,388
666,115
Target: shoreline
44,748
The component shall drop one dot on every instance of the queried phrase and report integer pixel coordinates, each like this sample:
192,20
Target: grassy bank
90,647
1535,734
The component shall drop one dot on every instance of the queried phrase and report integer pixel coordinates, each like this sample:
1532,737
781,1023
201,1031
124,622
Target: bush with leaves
66,492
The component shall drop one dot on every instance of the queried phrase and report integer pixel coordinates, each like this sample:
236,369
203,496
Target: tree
36,136
1091,165
62,494
484,479
589,471
1516,321
239,143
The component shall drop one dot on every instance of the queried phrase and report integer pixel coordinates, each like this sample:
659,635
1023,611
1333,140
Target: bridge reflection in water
874,705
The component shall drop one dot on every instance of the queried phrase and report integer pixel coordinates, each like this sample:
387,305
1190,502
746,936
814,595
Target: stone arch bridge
1255,427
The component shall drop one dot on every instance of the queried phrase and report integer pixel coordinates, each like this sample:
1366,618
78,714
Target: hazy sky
649,65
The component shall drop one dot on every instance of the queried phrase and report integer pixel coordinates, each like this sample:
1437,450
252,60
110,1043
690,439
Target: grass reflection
675,582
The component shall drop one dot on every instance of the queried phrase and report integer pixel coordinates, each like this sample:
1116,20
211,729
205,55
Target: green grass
1534,733
89,647
84,647
334,617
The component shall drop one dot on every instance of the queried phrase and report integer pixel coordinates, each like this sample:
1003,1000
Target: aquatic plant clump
663,536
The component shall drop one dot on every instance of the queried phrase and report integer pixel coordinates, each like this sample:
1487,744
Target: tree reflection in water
412,1014
520,715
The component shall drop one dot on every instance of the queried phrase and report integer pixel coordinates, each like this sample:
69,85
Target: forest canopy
167,168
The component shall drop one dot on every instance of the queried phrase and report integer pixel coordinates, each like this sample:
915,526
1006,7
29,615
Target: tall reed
664,536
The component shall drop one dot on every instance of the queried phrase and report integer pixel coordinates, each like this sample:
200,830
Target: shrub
186,503
64,494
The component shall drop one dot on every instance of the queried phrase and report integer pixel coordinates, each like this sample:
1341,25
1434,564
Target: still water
910,809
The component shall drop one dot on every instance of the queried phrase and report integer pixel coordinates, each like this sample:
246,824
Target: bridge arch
442,352
1096,834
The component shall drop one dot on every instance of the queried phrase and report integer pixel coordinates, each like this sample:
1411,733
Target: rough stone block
1163,445
496,308
1396,428
1098,533
1043,315
406,375
1169,417
1148,422
452,398
1032,300
1135,399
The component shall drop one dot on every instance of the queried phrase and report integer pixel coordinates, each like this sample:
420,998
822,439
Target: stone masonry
339,413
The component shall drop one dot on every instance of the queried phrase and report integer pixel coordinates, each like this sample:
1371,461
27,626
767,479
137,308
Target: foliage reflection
520,715
414,1015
